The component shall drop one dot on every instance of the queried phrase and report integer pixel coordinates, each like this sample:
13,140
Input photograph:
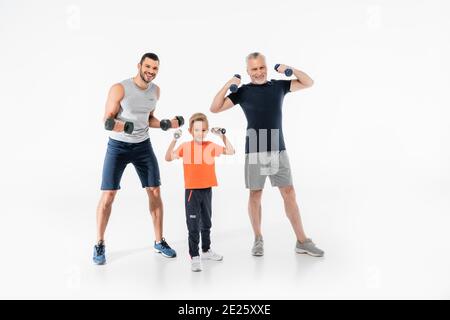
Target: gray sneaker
308,247
258,247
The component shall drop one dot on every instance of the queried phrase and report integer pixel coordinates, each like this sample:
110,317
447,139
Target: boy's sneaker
258,247
164,248
211,255
308,247
99,254
196,264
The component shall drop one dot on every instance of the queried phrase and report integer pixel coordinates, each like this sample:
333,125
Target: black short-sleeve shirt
262,105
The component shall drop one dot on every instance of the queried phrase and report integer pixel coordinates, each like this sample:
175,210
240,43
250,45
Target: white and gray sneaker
308,247
211,255
258,247
196,264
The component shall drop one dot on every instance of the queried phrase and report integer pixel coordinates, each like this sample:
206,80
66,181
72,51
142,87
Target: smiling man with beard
132,101
265,154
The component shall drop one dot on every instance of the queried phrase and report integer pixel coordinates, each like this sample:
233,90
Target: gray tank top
135,106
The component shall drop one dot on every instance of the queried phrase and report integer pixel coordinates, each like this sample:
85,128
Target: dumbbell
217,130
288,72
177,134
128,127
166,124
234,87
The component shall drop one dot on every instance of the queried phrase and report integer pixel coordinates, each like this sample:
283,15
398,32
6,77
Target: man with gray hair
266,156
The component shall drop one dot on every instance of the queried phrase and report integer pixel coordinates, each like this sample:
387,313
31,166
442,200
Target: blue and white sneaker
99,253
163,248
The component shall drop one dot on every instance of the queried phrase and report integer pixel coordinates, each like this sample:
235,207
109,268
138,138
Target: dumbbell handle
288,72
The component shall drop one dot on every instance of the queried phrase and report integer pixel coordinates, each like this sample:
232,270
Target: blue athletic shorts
120,153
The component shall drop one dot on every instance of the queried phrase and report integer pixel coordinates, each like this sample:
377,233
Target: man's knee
108,197
154,192
255,195
288,193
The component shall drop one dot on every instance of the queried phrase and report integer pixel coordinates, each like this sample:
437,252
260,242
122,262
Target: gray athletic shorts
272,164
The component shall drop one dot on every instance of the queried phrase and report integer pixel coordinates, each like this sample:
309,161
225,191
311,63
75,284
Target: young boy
199,176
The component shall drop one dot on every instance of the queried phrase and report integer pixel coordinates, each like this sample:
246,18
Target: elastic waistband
202,189
128,144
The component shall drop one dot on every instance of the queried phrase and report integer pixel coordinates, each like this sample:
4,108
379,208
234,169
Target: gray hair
254,55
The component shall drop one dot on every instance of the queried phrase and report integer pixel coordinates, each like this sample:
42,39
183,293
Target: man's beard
261,80
143,77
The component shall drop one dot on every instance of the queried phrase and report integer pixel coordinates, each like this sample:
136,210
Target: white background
368,146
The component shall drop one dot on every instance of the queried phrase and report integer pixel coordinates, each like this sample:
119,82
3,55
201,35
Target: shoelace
259,242
164,244
309,241
100,250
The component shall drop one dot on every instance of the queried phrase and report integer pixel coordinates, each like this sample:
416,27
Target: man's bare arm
153,122
112,107
220,102
303,81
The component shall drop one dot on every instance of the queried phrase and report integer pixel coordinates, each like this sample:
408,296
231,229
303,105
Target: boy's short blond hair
198,117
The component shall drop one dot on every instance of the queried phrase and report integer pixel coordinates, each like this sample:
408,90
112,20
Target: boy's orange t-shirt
199,164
